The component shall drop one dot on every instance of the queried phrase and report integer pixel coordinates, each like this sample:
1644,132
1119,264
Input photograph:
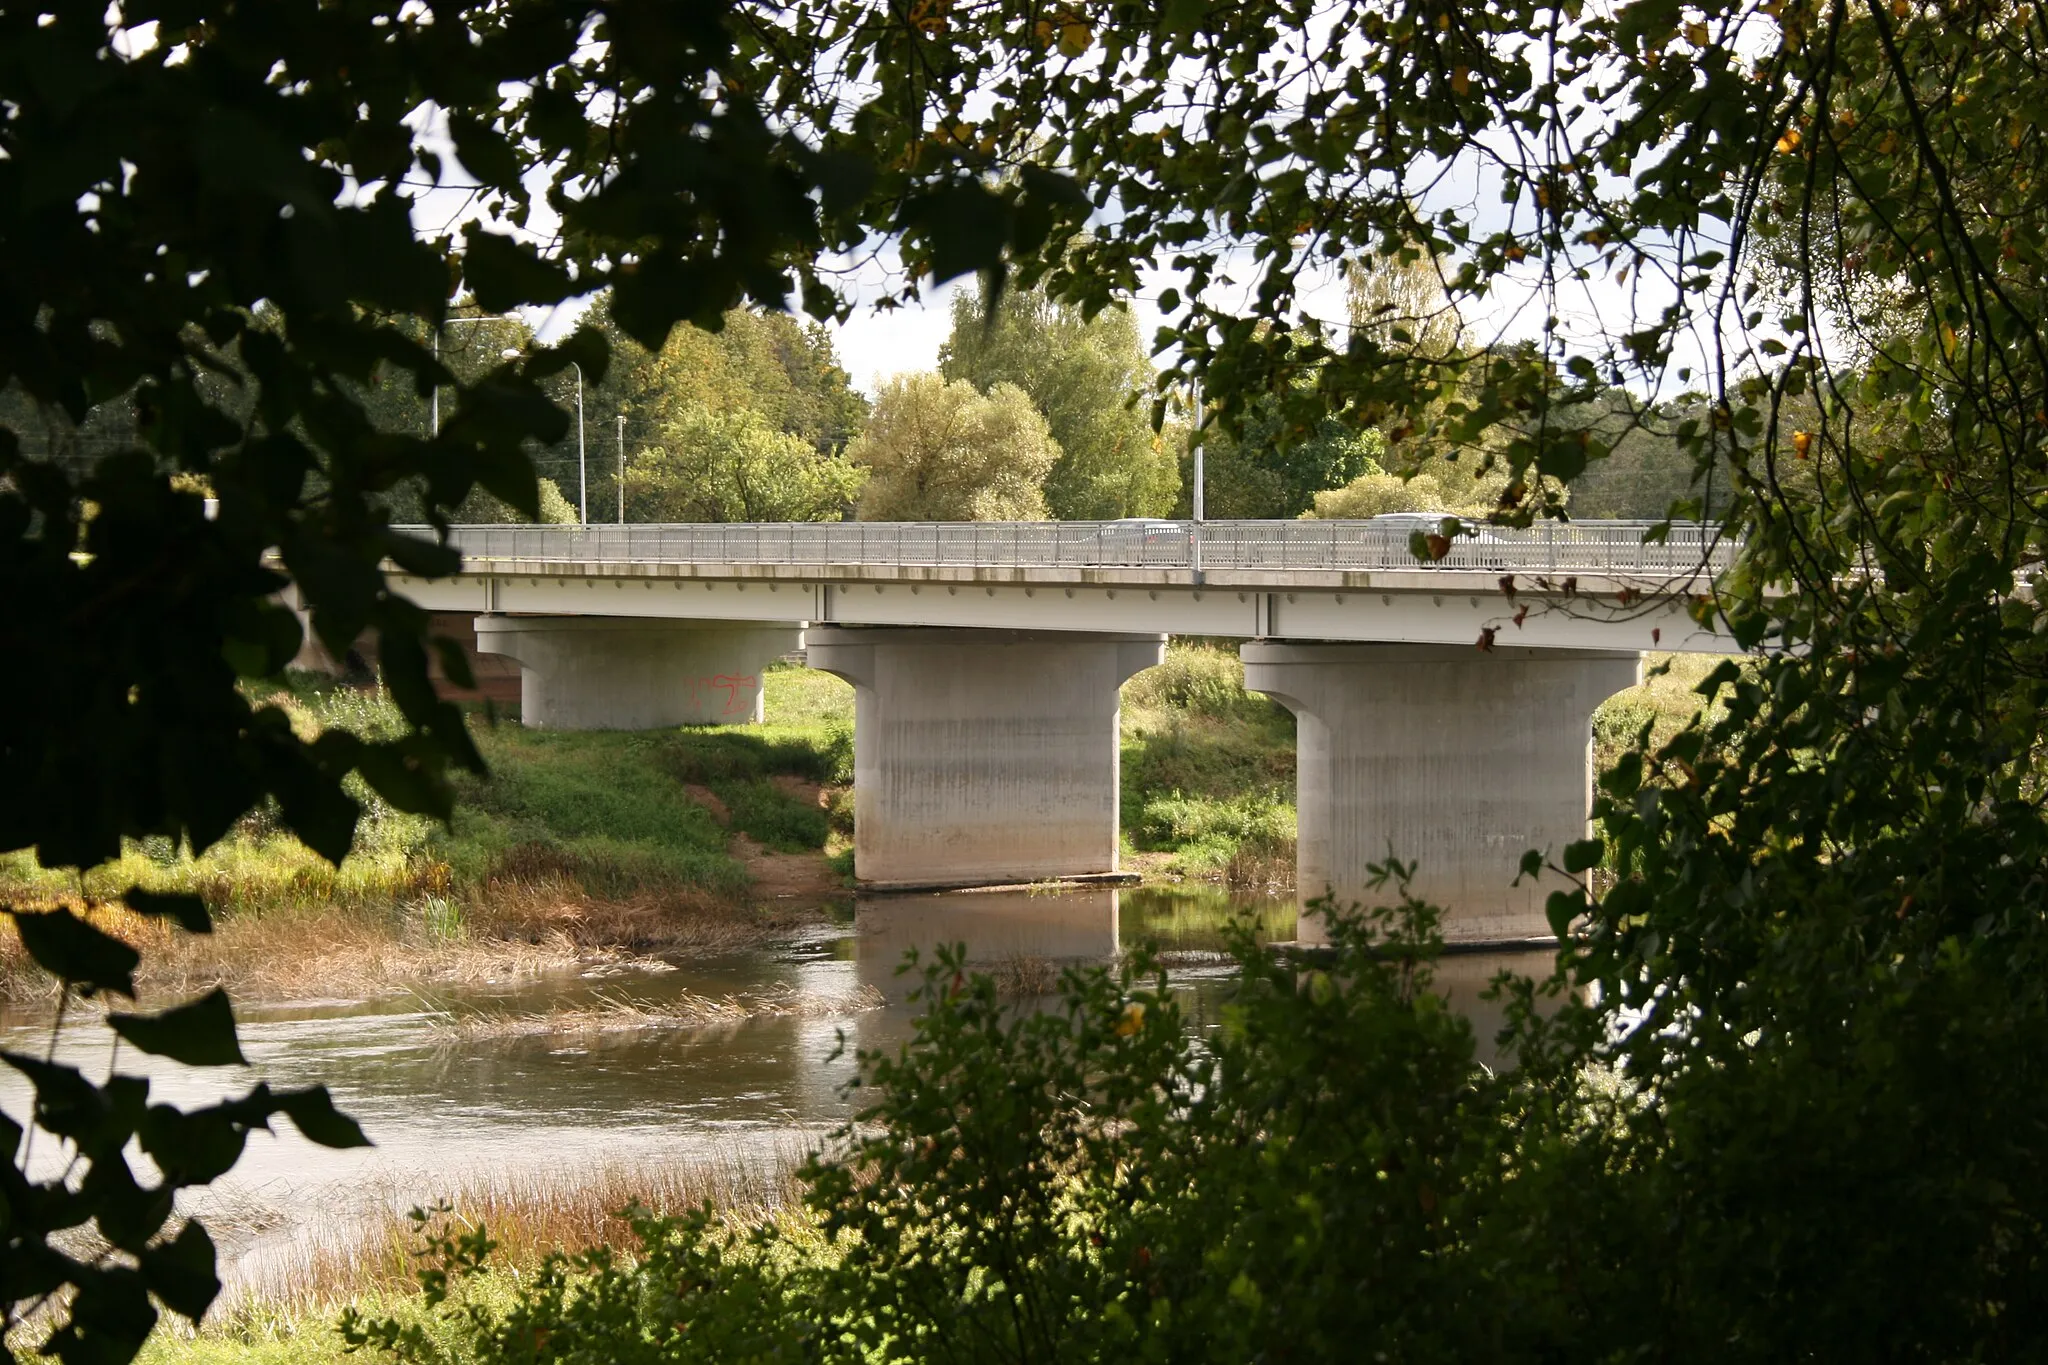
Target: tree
1441,486
1263,468
939,451
1086,376
714,466
766,363
1789,1097
211,244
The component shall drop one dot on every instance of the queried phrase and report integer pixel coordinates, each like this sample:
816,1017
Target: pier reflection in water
445,1106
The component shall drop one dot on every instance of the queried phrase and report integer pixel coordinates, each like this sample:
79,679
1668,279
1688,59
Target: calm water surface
443,1111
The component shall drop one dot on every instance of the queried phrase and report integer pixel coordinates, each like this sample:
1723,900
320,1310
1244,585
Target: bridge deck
1618,548
1586,585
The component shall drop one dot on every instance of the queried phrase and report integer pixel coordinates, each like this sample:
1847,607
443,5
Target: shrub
1200,679
1086,1182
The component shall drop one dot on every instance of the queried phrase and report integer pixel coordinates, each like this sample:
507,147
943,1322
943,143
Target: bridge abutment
1455,759
626,673
983,757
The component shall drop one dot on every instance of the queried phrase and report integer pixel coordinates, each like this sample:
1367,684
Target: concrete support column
1456,759
624,673
983,756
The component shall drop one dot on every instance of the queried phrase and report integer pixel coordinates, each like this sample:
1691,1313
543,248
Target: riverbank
590,850
578,850
292,1312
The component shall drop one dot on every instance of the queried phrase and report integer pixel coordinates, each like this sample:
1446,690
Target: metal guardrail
1616,547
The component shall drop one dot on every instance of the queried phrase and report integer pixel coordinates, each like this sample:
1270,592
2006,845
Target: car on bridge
1140,541
1473,544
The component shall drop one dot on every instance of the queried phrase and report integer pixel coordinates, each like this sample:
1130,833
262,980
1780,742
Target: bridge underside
986,727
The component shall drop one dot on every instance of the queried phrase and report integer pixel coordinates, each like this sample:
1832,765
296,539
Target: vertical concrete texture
622,673
982,756
1455,759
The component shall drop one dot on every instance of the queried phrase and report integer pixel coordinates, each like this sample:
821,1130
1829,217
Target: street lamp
1195,531
582,470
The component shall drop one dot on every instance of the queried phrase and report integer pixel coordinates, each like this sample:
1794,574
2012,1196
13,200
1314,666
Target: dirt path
777,876
787,876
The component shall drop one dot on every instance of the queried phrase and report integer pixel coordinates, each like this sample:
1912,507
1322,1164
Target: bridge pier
628,673
1455,759
983,757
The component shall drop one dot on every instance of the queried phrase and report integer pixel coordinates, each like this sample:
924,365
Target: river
445,1107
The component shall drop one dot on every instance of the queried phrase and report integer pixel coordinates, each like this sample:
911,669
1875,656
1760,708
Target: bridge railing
1552,547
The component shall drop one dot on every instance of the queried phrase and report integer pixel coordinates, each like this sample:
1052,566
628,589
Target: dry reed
543,1212
624,1014
507,931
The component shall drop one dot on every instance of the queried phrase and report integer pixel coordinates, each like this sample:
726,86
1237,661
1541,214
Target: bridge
1444,706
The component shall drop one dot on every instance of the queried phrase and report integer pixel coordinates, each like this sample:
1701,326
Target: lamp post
582,469
1195,532
622,469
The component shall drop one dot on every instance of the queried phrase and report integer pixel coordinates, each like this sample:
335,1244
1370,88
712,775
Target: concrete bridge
1444,708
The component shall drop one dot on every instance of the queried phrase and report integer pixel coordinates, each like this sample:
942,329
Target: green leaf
1561,908
194,1148
68,948
67,1104
198,1033
587,347
189,912
964,228
424,558
505,273
312,1109
181,1272
1583,854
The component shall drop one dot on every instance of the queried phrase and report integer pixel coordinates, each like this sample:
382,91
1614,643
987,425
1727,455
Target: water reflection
1001,927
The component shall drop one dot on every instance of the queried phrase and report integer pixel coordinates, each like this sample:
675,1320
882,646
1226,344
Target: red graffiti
739,691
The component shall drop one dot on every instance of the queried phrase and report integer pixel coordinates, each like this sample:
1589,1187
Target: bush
1199,679
1087,1182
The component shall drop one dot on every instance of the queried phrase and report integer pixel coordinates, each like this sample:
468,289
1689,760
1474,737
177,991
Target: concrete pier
1456,759
983,757
626,673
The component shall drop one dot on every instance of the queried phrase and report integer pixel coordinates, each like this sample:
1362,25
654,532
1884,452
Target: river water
445,1108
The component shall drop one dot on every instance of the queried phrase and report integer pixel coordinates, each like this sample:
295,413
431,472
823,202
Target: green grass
600,808
608,811
614,810
1208,769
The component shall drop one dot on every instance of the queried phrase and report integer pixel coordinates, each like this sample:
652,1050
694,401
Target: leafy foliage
716,466
1437,486
209,213
1086,375
939,451
765,363
1268,467
1082,1183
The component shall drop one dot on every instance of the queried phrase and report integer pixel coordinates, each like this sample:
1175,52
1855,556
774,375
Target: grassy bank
1208,768
1208,772
286,1310
578,847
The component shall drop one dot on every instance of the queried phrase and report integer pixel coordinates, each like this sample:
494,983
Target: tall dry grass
568,1210
507,930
